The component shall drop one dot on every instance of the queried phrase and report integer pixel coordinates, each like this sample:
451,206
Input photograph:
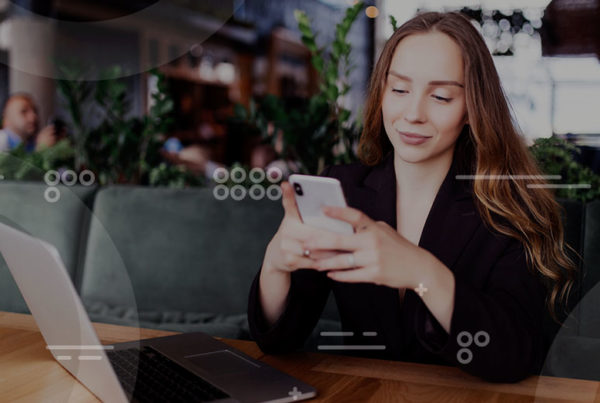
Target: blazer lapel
450,223
380,191
452,220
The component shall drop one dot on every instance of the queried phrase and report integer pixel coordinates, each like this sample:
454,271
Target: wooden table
28,373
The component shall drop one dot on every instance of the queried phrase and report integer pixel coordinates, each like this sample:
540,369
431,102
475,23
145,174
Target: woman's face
424,107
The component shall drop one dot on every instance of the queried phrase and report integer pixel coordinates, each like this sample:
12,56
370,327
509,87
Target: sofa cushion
230,326
62,223
162,249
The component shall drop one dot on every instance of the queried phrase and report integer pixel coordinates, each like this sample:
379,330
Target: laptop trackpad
221,362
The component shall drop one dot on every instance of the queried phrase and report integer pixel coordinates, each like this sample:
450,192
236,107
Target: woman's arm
287,296
500,304
306,299
274,287
496,332
437,289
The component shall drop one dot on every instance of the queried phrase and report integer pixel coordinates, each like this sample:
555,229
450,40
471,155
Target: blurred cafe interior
219,58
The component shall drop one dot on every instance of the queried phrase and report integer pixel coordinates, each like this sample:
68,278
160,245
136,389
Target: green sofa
183,260
153,257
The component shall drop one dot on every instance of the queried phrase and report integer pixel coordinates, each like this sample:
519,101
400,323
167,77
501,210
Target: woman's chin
412,156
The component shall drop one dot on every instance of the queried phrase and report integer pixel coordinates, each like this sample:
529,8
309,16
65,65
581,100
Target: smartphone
314,192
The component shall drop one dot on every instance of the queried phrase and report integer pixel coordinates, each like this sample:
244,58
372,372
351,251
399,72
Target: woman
451,251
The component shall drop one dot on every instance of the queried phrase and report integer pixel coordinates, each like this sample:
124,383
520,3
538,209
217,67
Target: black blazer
495,292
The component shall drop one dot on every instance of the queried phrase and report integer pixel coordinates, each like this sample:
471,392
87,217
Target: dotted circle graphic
221,192
221,175
238,175
482,338
257,192
52,194
52,177
462,335
464,339
257,175
274,174
238,192
91,177
460,356
274,192
69,173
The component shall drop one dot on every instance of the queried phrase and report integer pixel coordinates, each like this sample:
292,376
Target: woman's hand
376,253
287,251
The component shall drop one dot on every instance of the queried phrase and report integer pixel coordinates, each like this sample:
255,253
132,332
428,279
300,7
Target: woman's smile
413,138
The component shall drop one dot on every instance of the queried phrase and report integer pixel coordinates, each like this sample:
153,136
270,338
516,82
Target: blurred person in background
196,158
268,156
21,125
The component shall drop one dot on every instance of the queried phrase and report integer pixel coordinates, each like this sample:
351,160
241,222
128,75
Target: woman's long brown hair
489,145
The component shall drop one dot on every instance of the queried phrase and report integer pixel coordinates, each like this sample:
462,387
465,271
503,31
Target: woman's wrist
435,285
270,260
425,272
431,272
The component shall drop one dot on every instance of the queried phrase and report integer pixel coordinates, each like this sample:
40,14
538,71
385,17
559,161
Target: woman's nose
415,110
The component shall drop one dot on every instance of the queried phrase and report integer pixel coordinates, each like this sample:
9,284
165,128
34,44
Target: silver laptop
186,367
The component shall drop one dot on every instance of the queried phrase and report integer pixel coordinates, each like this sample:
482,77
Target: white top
4,145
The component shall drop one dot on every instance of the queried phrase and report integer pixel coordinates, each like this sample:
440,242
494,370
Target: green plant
555,157
319,131
120,148
19,164
394,23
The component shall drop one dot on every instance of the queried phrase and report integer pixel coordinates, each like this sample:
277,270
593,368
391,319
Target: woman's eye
399,91
443,99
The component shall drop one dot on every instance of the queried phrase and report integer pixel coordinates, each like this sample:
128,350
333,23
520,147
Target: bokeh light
372,12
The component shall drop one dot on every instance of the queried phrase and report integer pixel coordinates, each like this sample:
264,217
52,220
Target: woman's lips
413,138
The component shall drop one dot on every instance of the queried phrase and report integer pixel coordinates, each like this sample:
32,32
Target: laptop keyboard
148,376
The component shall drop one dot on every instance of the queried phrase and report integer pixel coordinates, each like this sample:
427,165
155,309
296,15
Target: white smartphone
314,192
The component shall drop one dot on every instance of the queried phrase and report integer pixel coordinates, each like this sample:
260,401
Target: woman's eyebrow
431,83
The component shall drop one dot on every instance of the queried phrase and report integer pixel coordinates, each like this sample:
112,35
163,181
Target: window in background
576,95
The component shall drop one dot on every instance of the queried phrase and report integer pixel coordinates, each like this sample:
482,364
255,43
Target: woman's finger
347,260
294,262
357,218
322,254
289,201
336,241
307,233
290,245
361,275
